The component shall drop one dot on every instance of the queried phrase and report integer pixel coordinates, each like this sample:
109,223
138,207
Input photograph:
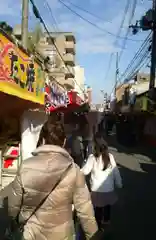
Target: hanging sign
20,75
74,98
55,96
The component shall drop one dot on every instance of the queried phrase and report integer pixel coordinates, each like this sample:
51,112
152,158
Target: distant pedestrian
87,136
104,173
74,146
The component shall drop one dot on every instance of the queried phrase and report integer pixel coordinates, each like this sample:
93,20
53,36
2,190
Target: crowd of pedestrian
65,190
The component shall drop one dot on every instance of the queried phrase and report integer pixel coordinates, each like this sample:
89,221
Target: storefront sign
74,98
20,75
55,96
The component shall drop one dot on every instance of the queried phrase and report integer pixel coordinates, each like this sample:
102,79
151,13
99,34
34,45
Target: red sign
55,97
74,98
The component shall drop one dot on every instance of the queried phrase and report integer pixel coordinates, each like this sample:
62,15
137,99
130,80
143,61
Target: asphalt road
134,216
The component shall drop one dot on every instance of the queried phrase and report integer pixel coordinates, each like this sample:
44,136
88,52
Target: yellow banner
20,75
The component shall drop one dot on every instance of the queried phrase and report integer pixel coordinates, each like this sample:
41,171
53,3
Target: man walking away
75,146
87,137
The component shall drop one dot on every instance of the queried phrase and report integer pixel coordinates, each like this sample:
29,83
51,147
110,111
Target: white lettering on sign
58,97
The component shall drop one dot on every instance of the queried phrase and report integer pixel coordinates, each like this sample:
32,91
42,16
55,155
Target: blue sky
94,46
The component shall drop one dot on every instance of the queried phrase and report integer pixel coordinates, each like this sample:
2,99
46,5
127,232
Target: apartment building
62,71
89,95
79,81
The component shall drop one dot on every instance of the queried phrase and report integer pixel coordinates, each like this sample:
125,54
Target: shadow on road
141,149
134,216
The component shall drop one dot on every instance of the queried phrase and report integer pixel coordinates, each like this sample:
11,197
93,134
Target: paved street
134,216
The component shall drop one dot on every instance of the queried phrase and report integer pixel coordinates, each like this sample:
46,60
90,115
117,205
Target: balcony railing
69,72
69,58
69,83
70,47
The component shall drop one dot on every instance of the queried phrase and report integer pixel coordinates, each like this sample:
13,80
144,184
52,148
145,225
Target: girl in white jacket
104,177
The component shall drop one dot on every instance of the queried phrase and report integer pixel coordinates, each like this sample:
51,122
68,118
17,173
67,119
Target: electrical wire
144,52
52,16
116,40
94,25
123,20
87,11
129,23
37,14
138,66
118,34
109,66
128,29
141,49
143,61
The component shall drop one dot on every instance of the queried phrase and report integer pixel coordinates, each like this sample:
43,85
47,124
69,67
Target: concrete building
89,95
142,77
141,85
62,72
79,81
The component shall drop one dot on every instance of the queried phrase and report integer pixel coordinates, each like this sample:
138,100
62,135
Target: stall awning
20,74
14,106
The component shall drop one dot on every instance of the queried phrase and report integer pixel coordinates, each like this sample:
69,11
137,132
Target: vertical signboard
20,74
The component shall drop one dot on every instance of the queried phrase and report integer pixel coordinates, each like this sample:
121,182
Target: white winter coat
102,180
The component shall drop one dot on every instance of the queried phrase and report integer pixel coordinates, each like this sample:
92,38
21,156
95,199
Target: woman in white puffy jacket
105,177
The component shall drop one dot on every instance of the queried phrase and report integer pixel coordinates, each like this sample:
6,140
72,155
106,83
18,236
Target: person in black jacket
75,146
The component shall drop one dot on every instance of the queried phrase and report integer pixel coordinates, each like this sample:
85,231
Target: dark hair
101,148
53,133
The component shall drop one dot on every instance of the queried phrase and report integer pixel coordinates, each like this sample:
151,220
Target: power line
94,25
88,12
118,33
123,20
37,14
128,29
52,16
141,49
142,57
134,74
138,66
109,66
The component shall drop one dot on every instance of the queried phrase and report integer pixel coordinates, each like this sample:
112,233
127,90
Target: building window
67,51
69,38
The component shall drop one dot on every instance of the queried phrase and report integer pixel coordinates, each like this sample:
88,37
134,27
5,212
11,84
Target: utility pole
153,54
105,97
117,69
116,72
146,23
24,28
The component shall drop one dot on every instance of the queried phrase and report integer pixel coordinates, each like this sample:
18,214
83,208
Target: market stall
22,85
